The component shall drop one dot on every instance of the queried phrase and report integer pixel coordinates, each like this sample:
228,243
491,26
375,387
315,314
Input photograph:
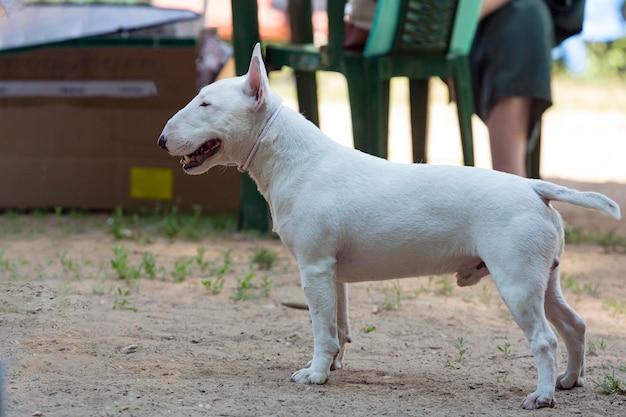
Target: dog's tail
587,199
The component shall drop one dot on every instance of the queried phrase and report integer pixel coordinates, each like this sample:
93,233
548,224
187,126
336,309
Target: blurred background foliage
607,59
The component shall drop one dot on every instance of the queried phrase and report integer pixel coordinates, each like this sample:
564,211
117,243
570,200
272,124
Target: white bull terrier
347,216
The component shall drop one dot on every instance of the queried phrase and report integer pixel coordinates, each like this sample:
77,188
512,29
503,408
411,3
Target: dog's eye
204,104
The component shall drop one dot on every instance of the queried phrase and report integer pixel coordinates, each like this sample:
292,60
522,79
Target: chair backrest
423,26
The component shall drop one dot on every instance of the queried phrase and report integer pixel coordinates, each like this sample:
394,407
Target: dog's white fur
347,216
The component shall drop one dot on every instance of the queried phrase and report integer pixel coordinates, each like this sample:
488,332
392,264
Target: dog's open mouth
204,152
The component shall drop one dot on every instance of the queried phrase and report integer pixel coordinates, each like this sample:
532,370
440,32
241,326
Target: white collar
255,147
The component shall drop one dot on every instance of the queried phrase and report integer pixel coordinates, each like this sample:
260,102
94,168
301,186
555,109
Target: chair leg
464,107
533,153
418,99
306,88
369,107
306,83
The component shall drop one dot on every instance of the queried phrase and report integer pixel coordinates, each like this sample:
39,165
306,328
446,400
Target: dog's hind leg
523,290
318,283
572,328
343,324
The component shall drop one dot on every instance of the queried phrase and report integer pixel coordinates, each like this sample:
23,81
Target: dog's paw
309,376
536,400
565,381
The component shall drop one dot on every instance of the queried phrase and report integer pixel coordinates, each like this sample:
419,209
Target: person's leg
511,73
508,124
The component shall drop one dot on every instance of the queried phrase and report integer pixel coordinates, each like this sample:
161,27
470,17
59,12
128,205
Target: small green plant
67,264
4,263
578,289
616,306
592,290
199,259
12,222
485,295
393,296
225,264
592,347
116,222
120,264
610,385
70,266
216,284
505,348
41,272
573,285
449,364
121,301
11,268
264,259
369,329
574,235
446,287
602,345
461,348
266,285
191,224
183,268
171,224
148,264
611,241
244,285
99,289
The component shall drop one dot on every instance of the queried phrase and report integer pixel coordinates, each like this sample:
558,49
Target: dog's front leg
318,282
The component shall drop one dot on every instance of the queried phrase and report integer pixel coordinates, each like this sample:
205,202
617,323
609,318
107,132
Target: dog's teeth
184,160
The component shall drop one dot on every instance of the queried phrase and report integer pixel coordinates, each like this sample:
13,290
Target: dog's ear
256,79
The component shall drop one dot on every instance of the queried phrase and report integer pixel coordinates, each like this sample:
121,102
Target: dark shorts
511,57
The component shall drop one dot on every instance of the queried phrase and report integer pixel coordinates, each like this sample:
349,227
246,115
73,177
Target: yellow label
151,183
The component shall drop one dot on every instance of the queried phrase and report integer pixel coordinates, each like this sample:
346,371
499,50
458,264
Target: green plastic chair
410,38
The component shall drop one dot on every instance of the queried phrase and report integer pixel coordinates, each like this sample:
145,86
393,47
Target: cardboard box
79,125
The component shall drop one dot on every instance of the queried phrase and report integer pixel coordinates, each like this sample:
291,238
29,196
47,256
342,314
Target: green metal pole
253,211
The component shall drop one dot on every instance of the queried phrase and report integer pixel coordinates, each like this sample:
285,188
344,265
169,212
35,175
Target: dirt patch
175,348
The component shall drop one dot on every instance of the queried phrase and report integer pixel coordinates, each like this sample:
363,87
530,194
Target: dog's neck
293,149
255,147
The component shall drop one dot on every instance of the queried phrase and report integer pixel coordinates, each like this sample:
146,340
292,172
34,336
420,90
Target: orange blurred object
273,23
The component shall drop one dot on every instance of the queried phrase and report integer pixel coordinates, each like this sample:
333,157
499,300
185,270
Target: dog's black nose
162,142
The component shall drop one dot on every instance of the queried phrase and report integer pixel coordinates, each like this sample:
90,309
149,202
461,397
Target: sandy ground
175,348
79,341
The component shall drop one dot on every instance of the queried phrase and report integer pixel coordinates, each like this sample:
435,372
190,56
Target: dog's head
220,125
